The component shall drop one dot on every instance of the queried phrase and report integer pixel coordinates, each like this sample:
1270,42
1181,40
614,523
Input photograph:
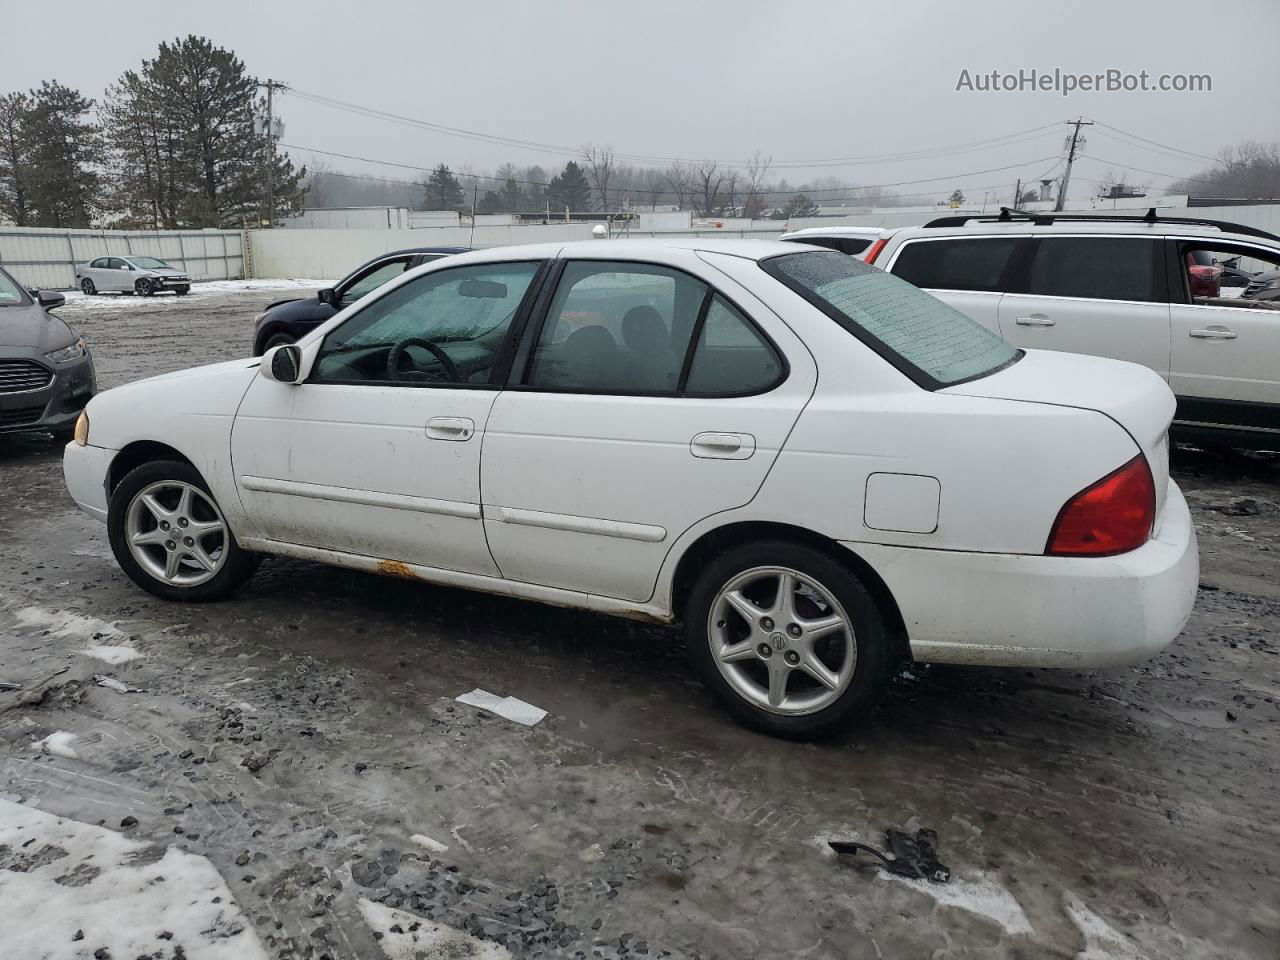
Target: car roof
1086,225
636,248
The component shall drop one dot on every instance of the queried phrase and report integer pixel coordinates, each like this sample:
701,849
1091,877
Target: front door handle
450,428
1213,333
1035,320
723,446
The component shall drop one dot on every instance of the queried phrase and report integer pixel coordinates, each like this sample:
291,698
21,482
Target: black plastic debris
914,857
5,686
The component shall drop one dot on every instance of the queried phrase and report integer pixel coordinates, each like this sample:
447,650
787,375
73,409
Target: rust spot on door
394,568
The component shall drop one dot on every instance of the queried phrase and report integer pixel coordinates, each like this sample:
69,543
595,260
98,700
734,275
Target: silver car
141,275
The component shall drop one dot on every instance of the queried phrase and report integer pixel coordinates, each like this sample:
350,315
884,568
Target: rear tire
87,287
170,536
826,645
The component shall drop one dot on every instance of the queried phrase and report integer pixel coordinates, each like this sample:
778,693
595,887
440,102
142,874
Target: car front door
1100,295
377,453
646,399
1225,366
114,275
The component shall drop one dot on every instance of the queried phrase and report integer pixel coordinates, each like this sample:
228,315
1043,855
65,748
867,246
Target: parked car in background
854,241
144,276
1233,274
285,321
815,466
1146,289
46,372
1263,286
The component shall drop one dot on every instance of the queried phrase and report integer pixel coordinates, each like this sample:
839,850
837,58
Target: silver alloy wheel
144,287
176,533
782,640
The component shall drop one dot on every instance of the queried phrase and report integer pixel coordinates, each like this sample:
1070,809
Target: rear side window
963,263
931,342
1099,268
731,357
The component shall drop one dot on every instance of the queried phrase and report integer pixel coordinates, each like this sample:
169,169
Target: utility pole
269,163
1017,194
1071,156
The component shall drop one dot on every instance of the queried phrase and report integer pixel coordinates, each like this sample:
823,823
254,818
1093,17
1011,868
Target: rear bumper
1006,610
85,471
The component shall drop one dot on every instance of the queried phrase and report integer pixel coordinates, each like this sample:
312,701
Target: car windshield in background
10,293
150,263
896,319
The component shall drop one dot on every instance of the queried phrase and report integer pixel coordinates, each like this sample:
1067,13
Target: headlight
67,354
82,430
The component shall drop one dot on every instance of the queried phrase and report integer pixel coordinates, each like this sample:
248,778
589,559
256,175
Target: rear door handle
1213,333
1034,321
723,446
450,428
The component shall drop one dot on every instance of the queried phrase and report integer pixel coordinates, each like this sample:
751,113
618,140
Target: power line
1010,139
1154,143
1154,173
541,183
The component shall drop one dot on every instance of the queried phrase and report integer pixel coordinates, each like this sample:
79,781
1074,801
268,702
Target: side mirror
50,299
328,295
283,364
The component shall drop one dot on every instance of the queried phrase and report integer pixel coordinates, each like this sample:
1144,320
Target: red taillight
875,250
1113,516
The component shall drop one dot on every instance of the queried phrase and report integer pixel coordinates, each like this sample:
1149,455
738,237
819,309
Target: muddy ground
301,734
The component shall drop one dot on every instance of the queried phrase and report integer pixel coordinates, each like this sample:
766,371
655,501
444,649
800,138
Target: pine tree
64,158
442,190
569,189
183,138
15,158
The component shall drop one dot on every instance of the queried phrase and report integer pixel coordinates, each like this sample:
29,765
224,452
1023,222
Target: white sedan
814,466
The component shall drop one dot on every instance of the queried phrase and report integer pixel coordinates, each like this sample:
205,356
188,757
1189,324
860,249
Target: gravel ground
305,739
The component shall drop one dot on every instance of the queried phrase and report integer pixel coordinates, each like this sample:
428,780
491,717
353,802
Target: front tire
277,340
87,287
788,639
144,287
170,536
182,291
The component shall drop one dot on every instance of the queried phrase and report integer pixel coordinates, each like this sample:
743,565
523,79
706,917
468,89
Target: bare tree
600,167
680,178
710,181
757,170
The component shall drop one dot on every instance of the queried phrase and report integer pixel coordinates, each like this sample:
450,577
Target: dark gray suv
46,372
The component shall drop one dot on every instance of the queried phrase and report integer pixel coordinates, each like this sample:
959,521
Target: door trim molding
368,498
647,533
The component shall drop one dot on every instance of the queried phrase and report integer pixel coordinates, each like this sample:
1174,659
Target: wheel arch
136,454
749,531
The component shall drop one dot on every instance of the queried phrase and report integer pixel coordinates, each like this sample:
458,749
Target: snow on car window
936,339
10,292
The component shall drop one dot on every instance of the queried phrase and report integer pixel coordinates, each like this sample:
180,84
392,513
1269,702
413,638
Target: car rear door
970,273
1104,295
646,397
1225,366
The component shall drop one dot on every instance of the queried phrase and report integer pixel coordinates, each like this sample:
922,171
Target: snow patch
1101,941
57,744
978,893
435,846
113,654
65,624
422,939
80,877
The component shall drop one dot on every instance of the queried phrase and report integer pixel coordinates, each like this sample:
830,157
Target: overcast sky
798,81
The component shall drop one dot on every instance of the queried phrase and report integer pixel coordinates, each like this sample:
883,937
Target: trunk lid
1133,396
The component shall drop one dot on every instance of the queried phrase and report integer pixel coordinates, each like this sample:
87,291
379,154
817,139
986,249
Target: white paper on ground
435,846
509,708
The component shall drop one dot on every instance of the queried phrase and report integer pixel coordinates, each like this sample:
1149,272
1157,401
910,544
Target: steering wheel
452,373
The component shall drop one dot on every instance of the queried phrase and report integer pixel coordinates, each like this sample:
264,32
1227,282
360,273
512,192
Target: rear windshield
929,341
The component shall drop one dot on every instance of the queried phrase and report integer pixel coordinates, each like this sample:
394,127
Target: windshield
149,263
10,291
932,343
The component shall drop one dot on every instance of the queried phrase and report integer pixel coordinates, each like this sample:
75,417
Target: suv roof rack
1013,215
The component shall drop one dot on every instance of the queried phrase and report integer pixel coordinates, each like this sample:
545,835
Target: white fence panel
47,258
